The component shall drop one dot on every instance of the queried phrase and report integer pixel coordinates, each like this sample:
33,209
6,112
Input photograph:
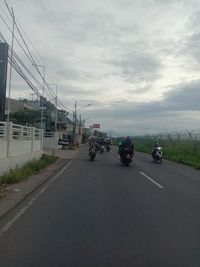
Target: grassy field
32,167
182,151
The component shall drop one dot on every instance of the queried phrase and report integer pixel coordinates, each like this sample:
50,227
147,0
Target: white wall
18,147
12,163
50,140
51,143
3,149
16,150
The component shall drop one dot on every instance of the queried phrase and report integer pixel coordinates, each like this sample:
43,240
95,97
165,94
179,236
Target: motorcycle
101,149
126,157
92,154
157,155
108,147
97,147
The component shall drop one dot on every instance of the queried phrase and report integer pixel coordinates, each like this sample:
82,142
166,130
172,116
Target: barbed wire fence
189,135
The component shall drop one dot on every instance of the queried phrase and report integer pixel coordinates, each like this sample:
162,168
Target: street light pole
85,106
56,120
75,118
74,126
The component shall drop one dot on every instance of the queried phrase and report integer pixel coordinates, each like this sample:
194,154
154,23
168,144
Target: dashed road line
152,180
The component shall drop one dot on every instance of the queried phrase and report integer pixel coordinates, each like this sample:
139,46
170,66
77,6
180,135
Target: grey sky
137,62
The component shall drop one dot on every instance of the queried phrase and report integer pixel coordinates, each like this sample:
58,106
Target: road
101,214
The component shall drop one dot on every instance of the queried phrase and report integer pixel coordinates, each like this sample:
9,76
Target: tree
26,117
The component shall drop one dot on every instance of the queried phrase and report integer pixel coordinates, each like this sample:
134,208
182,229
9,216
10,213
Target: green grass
183,151
32,167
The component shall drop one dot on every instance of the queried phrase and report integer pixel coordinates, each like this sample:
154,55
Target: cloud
184,97
178,110
191,48
138,66
135,61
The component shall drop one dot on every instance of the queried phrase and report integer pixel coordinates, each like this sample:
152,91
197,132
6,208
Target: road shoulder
16,193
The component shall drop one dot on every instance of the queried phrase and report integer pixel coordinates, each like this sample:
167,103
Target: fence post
32,138
42,137
21,132
9,126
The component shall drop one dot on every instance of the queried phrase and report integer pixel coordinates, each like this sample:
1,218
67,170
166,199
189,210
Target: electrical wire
31,59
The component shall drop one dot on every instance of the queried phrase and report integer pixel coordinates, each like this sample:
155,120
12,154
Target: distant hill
113,133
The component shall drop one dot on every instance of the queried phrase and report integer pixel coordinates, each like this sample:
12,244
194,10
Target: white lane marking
27,206
150,179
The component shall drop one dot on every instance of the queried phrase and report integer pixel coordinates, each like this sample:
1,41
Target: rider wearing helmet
155,147
108,141
126,143
92,143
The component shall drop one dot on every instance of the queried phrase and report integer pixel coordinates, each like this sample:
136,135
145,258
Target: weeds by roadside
32,167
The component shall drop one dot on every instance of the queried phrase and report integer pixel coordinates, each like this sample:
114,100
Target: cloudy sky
136,61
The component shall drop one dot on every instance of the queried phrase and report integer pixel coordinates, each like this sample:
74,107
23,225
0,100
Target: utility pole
8,127
56,119
75,119
11,63
3,78
42,97
80,124
42,107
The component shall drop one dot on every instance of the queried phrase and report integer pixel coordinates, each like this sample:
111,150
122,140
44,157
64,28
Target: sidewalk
62,153
17,192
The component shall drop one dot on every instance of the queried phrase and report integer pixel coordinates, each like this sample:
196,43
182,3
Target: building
16,105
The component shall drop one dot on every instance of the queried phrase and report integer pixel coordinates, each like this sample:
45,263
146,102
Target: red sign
96,125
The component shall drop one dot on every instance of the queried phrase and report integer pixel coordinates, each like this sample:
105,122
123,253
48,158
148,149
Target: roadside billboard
96,126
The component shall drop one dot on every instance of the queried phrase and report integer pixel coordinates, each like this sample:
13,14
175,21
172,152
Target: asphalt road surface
101,214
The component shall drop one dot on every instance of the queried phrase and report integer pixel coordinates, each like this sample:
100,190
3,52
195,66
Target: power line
30,57
38,57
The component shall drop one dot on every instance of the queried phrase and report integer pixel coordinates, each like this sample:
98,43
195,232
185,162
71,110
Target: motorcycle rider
108,143
155,147
124,144
92,144
100,142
